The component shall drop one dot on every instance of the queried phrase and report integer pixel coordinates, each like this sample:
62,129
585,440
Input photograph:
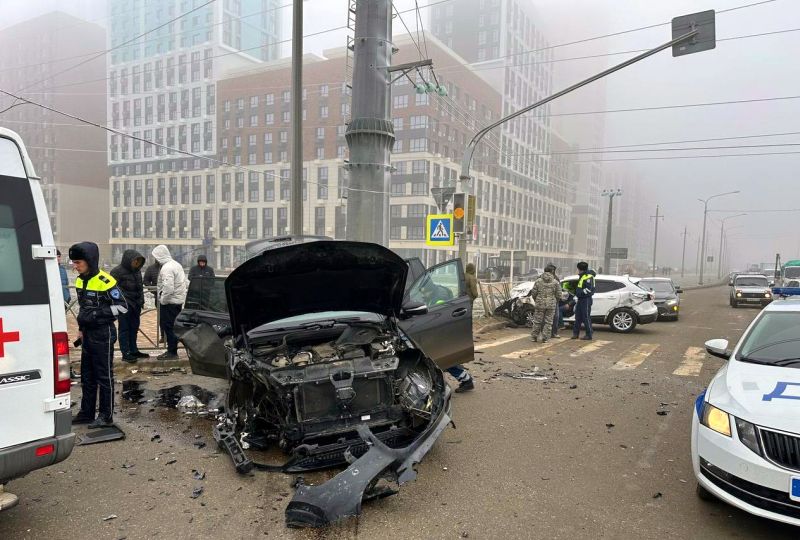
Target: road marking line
635,357
590,348
516,355
499,342
692,363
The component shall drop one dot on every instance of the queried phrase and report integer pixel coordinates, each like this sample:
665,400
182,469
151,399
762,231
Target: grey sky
742,69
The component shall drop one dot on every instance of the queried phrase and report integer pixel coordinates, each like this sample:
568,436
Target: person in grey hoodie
172,285
546,293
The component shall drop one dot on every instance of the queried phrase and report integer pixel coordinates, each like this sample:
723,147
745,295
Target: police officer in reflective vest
583,309
101,302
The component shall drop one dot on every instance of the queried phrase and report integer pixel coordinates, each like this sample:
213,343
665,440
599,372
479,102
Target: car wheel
704,495
623,320
523,316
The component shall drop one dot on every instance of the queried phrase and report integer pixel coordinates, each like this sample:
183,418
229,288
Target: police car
746,424
35,426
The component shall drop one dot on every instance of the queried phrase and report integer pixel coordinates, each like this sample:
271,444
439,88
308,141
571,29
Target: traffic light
460,212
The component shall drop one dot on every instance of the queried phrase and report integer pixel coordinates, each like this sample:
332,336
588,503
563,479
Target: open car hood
315,277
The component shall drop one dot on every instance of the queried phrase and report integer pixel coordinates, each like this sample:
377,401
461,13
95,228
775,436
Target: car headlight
738,294
748,436
716,420
767,295
671,302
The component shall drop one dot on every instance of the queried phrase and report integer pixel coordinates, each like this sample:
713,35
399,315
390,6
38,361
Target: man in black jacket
101,302
129,280
201,269
151,274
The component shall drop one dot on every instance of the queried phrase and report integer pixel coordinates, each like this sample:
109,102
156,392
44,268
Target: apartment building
162,88
68,156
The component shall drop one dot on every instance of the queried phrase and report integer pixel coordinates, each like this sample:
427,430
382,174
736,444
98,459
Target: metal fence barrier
150,305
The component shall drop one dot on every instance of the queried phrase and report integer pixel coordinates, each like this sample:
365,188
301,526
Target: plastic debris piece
198,475
196,492
110,517
190,403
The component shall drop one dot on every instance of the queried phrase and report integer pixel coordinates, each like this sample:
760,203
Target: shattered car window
438,286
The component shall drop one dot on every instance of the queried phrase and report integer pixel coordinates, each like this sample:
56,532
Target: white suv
36,429
617,302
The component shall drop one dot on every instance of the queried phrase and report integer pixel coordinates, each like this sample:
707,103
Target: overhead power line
103,53
689,157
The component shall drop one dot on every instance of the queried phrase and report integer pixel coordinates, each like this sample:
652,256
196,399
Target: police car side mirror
718,348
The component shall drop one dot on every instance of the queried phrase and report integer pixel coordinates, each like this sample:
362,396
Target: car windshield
774,339
751,281
657,285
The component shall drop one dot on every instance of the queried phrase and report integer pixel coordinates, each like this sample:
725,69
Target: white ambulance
35,418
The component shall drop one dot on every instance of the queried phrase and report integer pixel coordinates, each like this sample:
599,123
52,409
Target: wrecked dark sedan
333,358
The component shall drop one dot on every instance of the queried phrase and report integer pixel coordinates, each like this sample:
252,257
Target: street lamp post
610,193
721,234
703,237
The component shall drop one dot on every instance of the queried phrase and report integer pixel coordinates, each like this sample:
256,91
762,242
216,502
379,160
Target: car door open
203,318
444,333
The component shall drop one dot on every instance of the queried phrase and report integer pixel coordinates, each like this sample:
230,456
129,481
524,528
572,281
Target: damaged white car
335,360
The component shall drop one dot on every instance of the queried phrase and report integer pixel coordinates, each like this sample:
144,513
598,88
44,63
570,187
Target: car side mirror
412,309
771,283
223,330
730,283
678,291
718,348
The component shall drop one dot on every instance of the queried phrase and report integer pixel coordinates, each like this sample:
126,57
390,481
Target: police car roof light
786,291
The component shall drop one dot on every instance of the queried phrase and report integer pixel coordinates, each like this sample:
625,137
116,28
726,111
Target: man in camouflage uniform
546,293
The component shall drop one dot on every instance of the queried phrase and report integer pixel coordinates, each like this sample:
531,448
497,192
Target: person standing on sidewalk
101,302
172,286
583,309
201,269
546,293
129,280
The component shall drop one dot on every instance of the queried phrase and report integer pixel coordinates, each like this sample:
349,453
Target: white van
35,421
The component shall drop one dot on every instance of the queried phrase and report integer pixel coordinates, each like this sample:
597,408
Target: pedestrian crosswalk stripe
636,356
692,363
482,346
516,355
590,348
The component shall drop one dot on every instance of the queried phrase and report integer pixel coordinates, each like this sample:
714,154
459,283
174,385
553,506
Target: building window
400,102
320,152
267,223
319,220
284,136
398,146
252,187
419,188
287,96
422,99
287,117
269,187
269,99
253,102
322,183
418,145
253,120
419,122
269,118
210,187
399,188
323,111
252,223
397,123
323,90
395,232
320,133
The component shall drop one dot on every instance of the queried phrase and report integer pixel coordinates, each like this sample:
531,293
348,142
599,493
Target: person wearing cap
201,269
583,309
101,302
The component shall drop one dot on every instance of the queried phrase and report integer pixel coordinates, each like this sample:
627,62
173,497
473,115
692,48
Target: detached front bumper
341,497
17,461
741,478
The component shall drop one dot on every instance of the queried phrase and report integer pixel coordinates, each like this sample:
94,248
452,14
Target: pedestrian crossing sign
439,230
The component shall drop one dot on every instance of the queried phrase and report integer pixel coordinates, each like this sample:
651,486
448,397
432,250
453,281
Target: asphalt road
582,454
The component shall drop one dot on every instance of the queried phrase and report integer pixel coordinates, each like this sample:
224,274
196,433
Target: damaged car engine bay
327,392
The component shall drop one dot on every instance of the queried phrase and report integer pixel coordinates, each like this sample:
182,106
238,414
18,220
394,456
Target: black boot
81,418
101,422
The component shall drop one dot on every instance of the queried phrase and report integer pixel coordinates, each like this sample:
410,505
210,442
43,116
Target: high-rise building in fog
162,88
504,40
49,60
